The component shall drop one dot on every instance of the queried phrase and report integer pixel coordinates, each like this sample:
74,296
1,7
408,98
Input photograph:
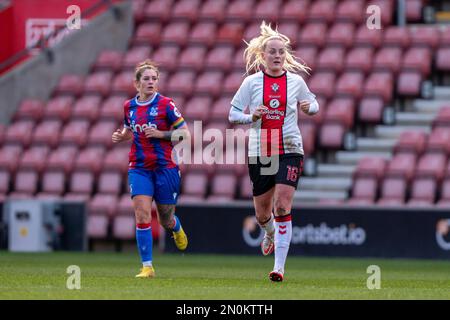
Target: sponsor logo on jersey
274,103
141,127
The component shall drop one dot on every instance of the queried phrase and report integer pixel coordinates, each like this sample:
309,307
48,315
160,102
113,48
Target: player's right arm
123,134
240,101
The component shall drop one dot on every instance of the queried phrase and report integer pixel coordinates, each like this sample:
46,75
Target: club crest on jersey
153,112
131,113
275,87
274,103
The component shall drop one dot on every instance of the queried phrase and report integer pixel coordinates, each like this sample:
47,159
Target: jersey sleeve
174,116
126,118
304,93
242,98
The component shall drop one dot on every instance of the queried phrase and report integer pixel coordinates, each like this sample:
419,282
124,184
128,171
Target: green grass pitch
196,277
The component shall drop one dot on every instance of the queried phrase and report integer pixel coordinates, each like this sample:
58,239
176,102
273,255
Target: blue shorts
161,184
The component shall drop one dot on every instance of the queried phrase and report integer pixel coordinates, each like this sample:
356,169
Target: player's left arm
306,99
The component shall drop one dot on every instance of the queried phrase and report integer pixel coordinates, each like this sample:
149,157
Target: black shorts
265,173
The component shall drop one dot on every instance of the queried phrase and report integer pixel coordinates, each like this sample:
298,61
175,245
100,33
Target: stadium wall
340,232
37,77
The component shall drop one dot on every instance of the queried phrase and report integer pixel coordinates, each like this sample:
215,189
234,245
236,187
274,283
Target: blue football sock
177,225
144,240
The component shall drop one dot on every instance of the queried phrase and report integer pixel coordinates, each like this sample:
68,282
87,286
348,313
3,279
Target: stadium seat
87,107
220,109
341,110
295,11
350,84
238,60
70,84
321,83
424,189
442,118
117,159
81,182
62,159
444,35
101,132
217,199
240,10
97,226
245,187
386,10
203,33
439,140
359,59
267,10
402,165
20,133
30,109
331,59
312,34
112,108
322,10
90,159
424,35
47,133
213,10
431,165
358,202
442,61
34,158
59,107
182,82
185,10
110,182
409,84
195,184
98,83
109,60
368,37
134,56
351,11
232,83
414,10
365,188
124,227
308,131
166,57
411,141
138,10
309,56
147,33
158,10
231,33
331,135
388,59
224,185
53,182
75,133
26,181
198,109
373,167
418,59
445,190
393,188
396,36
8,157
220,58
291,30
209,83
123,83
370,110
193,57
341,34
379,84
5,181
175,33
390,202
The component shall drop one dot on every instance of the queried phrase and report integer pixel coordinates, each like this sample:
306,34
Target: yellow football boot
180,238
146,272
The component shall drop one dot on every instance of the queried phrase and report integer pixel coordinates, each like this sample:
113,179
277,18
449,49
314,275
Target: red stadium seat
185,10
232,82
313,34
388,59
124,227
198,108
331,59
320,84
368,37
5,181
19,133
70,84
322,10
351,11
87,107
123,83
445,190
341,34
224,185
411,141
90,159
294,10
390,202
359,59
112,108
350,84
47,133
158,10
267,10
402,165
291,30
81,182
75,133
252,31
331,135
424,189
117,159
308,131
193,58
365,188
409,84
341,110
379,84
209,82
395,36
176,33
439,140
166,57
103,204
442,61
8,157
53,182
427,35
231,33
213,10
195,183
393,188
240,10
238,60
182,82
109,60
386,10
414,10
220,58
418,59
136,55
110,183
34,158
101,132
431,165
372,167
97,226
26,181
148,33
371,110
221,108
30,109
98,82
138,10
203,33
62,159
59,108
308,55
442,118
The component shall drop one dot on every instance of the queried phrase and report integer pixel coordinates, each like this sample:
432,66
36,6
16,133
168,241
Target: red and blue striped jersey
160,113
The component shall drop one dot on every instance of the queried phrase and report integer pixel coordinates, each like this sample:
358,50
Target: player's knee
281,209
166,222
142,215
